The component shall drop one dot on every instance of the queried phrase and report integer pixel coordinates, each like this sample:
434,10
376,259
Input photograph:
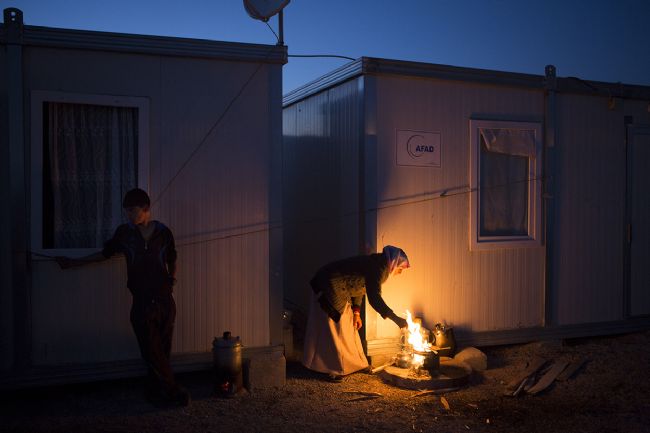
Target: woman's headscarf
395,258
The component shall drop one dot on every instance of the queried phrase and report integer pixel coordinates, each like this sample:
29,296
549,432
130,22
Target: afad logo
416,146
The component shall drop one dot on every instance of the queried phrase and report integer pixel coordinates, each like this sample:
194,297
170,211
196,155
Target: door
639,219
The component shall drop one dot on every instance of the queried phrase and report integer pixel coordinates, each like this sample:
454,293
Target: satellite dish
264,9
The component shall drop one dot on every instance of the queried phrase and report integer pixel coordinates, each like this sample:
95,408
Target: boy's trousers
153,324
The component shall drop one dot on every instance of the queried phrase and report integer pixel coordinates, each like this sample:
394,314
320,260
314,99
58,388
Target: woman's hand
400,322
356,321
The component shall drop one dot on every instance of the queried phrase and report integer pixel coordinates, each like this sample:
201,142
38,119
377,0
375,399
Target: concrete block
474,357
380,359
287,341
265,370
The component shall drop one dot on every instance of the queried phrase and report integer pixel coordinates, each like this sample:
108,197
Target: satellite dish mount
263,10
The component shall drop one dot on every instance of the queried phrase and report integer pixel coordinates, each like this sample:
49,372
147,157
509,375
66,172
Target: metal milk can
227,365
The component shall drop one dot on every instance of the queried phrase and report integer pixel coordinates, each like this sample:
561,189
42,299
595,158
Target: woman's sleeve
356,303
373,291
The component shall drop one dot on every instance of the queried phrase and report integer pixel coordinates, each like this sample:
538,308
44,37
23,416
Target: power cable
214,125
279,225
219,119
444,194
336,56
271,28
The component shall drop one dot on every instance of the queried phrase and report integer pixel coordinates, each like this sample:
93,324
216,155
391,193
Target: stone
265,370
474,357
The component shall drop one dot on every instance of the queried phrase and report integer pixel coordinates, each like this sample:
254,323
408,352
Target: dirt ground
611,393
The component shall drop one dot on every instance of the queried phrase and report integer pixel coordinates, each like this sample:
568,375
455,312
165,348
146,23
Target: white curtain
90,162
519,142
504,183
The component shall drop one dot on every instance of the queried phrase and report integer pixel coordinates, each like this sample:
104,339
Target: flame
416,340
415,337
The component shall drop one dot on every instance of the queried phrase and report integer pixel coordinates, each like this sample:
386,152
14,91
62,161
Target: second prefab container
512,195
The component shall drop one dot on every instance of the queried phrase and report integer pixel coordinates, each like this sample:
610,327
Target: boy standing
150,253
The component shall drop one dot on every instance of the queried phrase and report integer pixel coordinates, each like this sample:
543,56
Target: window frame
534,236
38,98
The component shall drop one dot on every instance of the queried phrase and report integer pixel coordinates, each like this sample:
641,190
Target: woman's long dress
331,347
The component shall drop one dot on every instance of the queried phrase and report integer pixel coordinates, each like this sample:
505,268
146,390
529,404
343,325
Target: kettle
444,338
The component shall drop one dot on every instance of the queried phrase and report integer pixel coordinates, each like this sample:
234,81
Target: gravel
610,393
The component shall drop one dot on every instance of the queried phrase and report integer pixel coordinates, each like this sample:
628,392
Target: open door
638,230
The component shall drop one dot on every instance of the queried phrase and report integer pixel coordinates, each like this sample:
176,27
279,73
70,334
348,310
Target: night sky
603,40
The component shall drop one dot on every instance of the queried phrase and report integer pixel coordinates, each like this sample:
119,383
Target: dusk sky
603,40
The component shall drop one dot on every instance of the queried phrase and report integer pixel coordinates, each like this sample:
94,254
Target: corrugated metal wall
6,288
320,185
471,290
81,315
223,192
217,207
590,210
495,290
639,215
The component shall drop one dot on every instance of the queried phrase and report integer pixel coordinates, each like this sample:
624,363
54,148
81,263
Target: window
87,151
505,178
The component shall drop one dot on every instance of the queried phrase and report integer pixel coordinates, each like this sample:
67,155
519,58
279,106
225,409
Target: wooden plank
434,391
365,393
381,367
532,368
364,398
526,384
549,377
571,370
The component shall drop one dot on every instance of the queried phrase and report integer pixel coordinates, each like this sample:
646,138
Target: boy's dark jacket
146,261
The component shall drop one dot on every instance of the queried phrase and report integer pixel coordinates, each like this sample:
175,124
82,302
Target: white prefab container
196,124
512,195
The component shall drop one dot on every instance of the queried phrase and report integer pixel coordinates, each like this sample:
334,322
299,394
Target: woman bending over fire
332,343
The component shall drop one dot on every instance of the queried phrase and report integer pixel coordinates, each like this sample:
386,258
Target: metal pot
431,361
404,359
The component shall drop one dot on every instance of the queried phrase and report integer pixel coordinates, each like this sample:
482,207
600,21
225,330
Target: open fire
418,364
418,340
417,353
